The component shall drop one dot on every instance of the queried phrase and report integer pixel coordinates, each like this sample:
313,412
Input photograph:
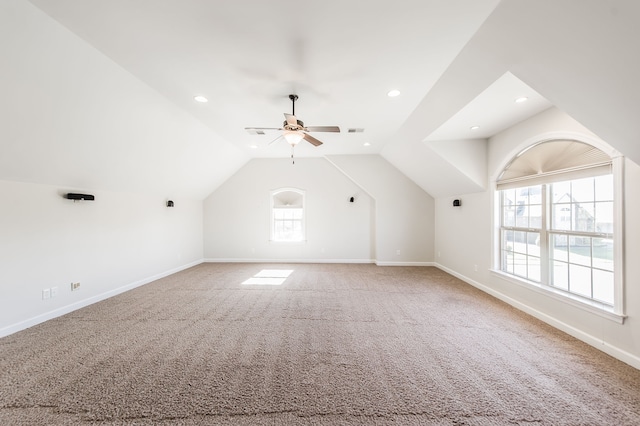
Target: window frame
272,218
615,312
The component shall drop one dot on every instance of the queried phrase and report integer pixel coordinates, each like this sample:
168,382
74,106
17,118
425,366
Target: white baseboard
239,260
377,262
13,328
598,343
386,263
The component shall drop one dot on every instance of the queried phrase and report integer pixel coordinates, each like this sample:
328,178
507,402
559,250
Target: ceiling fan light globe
293,137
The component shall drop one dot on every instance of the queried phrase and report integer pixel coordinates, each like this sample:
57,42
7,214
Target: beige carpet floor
333,344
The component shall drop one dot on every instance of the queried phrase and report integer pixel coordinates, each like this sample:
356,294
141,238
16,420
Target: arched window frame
275,218
616,312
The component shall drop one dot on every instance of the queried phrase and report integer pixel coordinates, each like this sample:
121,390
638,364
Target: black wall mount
74,196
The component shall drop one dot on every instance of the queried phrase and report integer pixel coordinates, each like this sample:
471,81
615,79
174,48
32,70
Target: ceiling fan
294,130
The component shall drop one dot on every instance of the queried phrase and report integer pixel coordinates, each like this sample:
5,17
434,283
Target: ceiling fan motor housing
287,126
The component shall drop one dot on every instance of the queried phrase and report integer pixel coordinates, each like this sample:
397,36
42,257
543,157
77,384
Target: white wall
236,215
116,242
404,212
464,236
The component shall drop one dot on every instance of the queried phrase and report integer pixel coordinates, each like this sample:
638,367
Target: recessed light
521,99
474,127
393,93
200,99
366,144
253,146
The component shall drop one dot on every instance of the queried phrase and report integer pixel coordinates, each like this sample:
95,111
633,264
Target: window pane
507,261
584,217
560,275
520,265
559,248
604,217
561,192
509,197
580,250
535,216
533,268
520,242
561,217
509,216
604,188
580,280
603,253
603,286
535,195
507,240
582,190
533,243
522,216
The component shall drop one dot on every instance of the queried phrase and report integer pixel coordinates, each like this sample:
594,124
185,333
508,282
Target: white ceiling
115,80
492,111
340,57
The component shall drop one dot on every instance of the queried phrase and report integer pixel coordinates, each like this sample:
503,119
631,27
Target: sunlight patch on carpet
269,277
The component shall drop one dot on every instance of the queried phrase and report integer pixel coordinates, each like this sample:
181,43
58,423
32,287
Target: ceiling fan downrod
293,98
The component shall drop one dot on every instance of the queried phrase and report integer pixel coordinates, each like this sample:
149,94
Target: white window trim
615,313
272,194
588,305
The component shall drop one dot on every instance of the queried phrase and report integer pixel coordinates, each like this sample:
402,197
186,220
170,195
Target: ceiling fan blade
263,128
334,129
291,119
313,141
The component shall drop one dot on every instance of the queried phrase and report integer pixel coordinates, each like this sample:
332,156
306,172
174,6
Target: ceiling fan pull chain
292,160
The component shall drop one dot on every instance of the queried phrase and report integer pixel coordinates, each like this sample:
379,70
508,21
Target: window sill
590,306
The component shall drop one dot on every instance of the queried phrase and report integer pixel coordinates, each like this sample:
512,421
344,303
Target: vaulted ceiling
101,93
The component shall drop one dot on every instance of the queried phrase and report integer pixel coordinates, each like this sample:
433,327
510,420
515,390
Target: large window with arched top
287,215
559,208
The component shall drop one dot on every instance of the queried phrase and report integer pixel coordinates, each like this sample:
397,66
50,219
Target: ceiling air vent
255,132
354,130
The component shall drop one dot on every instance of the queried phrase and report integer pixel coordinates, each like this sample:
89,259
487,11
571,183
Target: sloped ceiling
100,93
581,56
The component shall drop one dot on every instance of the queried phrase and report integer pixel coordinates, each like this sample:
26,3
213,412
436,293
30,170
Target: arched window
559,201
287,215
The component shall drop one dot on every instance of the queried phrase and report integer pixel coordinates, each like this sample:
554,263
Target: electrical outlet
46,294
475,268
54,292
398,252
75,286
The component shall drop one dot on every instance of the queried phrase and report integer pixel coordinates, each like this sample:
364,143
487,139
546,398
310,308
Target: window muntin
569,244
